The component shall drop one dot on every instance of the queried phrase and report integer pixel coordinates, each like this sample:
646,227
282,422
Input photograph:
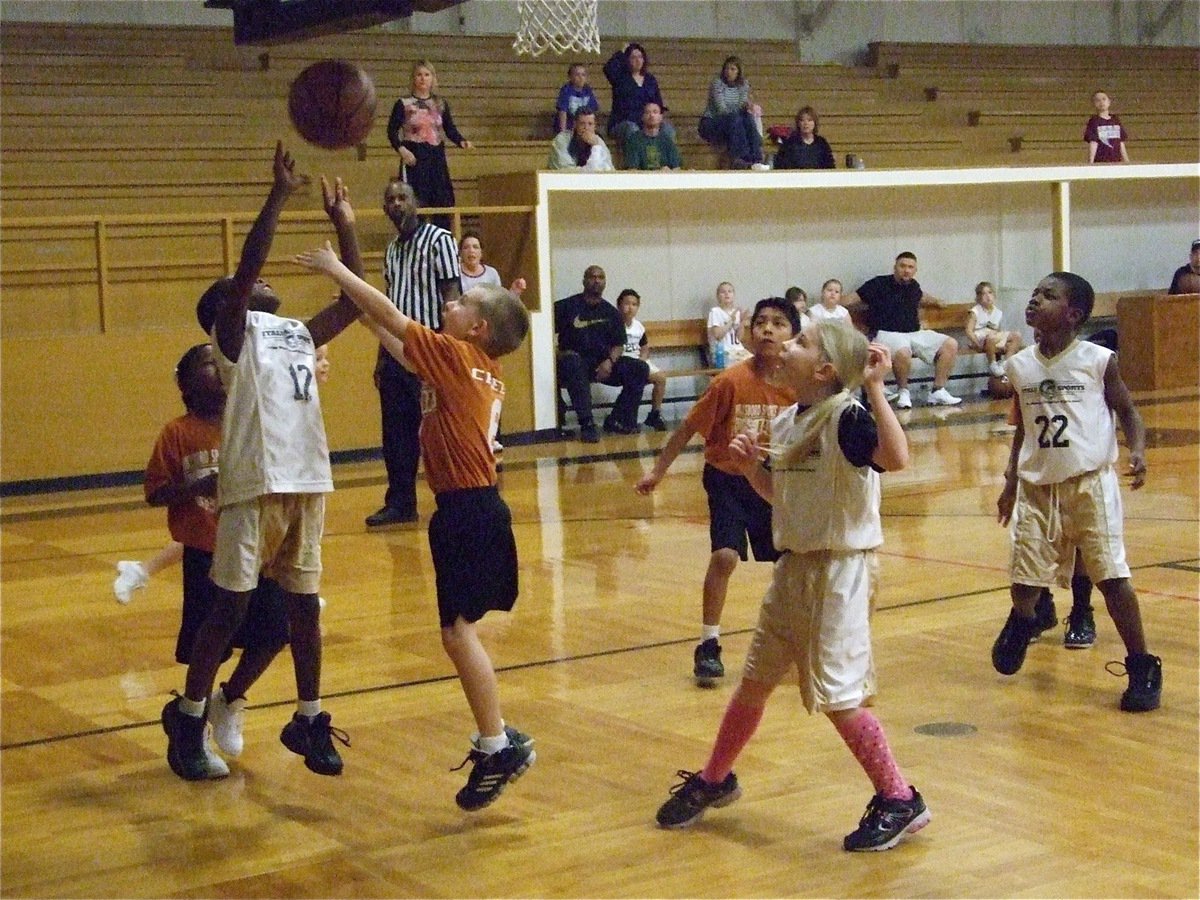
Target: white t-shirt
634,332
1069,427
819,313
734,350
824,502
273,433
984,318
488,276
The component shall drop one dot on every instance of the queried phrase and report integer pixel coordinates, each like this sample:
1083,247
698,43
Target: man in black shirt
591,344
892,305
1187,278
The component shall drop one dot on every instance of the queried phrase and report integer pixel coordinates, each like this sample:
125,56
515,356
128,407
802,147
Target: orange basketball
332,104
999,387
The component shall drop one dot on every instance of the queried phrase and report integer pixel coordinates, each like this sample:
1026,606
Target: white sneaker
759,167
131,576
215,766
942,397
226,717
996,368
903,399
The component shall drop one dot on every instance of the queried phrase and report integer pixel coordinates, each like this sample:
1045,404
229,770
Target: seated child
574,97
725,326
470,534
983,329
799,299
830,306
637,345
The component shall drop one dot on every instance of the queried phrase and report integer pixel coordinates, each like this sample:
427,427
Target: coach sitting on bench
591,344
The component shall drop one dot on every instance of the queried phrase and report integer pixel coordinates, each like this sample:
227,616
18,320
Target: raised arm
230,322
365,296
891,453
335,318
1116,394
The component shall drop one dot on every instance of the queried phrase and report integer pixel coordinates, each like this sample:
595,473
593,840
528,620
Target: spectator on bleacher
732,119
984,334
1187,278
652,147
633,87
574,97
580,149
637,346
726,329
591,347
892,305
474,271
799,299
418,128
804,148
1105,135
830,306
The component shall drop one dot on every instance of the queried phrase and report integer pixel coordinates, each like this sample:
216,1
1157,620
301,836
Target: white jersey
819,313
272,434
732,341
634,332
823,502
986,317
1069,426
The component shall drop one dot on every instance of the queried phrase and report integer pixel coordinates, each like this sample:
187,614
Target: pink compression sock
738,726
864,736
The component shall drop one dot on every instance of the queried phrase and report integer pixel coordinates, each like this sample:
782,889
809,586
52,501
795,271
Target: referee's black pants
400,413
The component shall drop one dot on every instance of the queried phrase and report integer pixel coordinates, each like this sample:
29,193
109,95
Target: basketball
999,387
332,104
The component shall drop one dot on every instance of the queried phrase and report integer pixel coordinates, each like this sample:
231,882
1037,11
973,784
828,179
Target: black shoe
588,434
692,796
389,515
655,421
185,744
313,741
1045,615
1008,653
492,772
612,426
886,821
1081,628
708,667
1145,682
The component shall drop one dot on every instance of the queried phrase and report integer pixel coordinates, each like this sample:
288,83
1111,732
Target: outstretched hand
337,201
321,259
286,176
1137,469
879,363
745,452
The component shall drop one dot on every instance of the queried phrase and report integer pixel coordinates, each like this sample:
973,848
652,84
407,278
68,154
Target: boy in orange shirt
743,399
470,534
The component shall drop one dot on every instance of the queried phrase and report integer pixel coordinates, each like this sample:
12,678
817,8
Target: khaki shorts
817,616
276,535
924,345
1051,520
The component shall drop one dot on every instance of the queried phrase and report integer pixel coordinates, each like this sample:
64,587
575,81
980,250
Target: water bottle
719,355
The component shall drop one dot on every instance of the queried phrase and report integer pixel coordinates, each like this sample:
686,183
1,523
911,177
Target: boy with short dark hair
743,399
470,534
272,479
1061,490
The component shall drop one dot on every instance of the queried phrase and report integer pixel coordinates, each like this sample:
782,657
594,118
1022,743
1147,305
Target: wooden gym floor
1037,784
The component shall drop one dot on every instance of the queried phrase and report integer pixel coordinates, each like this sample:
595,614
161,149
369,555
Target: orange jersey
460,403
739,401
186,451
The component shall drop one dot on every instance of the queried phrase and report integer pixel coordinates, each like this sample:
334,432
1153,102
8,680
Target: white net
558,25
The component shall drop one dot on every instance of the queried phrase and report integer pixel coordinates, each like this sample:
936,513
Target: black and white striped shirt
413,268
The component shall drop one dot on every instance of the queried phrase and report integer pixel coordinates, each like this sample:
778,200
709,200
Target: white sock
709,631
310,709
494,744
193,708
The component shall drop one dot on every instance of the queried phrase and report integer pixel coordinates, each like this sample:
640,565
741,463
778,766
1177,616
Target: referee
421,274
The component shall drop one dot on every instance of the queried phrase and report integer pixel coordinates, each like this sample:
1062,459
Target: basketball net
558,25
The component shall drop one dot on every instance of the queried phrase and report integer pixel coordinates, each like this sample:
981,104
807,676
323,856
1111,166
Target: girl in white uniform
816,615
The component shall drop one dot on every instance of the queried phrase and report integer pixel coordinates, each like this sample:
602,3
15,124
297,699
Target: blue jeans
736,131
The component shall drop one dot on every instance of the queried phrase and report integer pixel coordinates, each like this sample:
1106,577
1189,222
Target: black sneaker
1044,613
389,515
185,744
588,434
314,741
612,426
655,421
692,796
1008,653
492,772
1145,682
708,667
1081,628
886,821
